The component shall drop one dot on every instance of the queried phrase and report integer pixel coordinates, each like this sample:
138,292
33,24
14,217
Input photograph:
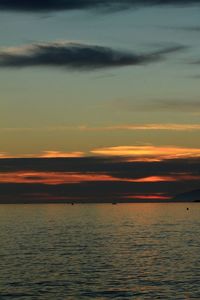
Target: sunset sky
109,90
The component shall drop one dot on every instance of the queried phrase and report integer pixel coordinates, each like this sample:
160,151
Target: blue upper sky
47,107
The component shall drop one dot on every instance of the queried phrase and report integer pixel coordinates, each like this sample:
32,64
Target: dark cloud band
78,56
11,191
51,5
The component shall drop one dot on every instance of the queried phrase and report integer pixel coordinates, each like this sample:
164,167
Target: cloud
168,178
46,154
120,127
138,127
57,178
172,105
189,28
53,5
56,154
95,179
158,196
195,76
137,153
4,155
78,56
182,28
196,62
149,153
177,104
192,106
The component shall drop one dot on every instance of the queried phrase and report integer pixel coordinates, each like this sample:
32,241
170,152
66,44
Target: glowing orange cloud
4,155
56,154
149,197
169,178
45,154
156,179
141,153
153,127
168,127
54,178
131,153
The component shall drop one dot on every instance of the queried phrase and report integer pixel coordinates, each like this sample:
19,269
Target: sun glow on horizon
149,197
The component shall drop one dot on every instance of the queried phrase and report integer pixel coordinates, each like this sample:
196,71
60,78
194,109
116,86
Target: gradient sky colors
81,79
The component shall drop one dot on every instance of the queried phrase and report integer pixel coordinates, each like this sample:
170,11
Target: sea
100,251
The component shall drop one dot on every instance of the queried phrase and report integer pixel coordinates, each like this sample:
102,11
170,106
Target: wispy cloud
4,155
151,153
46,154
58,178
149,197
173,105
120,127
178,105
55,178
195,76
196,62
138,127
56,154
51,5
78,56
96,179
188,28
141,153
168,178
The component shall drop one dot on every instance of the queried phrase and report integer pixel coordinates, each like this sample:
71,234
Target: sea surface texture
133,251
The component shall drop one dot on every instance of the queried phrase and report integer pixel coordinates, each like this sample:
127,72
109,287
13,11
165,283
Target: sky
101,83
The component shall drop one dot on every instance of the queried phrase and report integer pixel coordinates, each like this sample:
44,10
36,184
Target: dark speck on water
136,251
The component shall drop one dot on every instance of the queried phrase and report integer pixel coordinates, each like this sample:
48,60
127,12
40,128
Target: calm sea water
133,251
